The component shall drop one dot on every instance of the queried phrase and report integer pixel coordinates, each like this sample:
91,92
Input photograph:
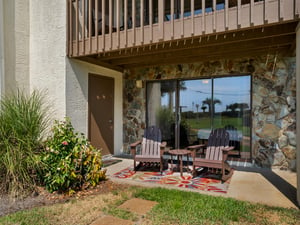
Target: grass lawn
175,207
219,122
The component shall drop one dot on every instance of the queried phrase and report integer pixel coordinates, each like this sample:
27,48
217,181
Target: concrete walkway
270,187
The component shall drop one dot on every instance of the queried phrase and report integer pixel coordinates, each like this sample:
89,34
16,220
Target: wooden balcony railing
100,26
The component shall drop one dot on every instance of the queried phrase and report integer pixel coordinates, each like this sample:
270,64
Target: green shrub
23,121
165,119
71,160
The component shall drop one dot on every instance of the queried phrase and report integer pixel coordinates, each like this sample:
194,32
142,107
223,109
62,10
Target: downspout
298,109
2,79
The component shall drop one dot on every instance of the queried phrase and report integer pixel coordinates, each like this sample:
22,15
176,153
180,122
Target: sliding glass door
187,110
232,109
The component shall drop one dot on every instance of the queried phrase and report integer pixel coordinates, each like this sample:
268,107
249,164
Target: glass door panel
161,108
195,118
231,110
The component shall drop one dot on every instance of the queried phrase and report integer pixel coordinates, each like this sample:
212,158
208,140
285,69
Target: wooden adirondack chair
216,154
152,149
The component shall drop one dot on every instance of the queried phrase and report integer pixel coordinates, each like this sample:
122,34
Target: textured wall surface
77,97
273,102
22,30
16,44
1,50
48,51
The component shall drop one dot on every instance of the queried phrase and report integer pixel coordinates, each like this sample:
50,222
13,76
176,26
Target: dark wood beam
224,49
95,61
215,56
205,40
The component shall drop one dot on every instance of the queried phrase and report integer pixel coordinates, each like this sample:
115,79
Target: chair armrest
133,147
163,144
196,147
227,149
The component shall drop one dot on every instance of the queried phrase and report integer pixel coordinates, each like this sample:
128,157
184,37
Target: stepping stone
138,206
111,220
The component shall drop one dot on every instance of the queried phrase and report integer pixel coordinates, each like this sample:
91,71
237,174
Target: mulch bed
42,197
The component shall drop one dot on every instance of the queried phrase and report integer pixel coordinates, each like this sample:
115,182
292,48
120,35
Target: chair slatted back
151,142
218,139
233,136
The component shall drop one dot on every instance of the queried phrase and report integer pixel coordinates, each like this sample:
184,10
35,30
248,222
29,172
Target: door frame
113,106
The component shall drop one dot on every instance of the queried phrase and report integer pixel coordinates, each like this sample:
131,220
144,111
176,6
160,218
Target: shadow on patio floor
279,182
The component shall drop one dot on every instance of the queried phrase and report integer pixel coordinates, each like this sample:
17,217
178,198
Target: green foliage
164,116
179,207
165,119
184,207
36,216
71,160
23,120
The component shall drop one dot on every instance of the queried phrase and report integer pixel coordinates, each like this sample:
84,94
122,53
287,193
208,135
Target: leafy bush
23,121
165,119
71,160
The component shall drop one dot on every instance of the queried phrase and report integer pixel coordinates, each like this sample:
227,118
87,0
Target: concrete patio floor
256,185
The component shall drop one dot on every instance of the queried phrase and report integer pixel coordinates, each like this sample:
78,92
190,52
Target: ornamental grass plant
23,122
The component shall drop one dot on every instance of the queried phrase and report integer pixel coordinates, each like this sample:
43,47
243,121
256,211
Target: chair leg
134,165
194,172
225,168
225,177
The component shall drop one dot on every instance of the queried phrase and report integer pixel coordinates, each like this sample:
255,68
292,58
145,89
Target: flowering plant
71,160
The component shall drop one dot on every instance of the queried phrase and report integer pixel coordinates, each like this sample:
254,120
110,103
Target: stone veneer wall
273,102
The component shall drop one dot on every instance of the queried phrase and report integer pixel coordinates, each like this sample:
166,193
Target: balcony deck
177,30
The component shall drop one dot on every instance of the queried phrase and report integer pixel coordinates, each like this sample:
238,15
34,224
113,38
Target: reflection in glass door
161,109
194,113
231,110
187,110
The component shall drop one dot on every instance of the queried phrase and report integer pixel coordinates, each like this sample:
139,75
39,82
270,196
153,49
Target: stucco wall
77,97
1,50
48,52
273,105
16,44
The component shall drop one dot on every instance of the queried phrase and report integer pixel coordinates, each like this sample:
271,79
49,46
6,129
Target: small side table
180,153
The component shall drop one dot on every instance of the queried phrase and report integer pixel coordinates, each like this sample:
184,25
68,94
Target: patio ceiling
244,43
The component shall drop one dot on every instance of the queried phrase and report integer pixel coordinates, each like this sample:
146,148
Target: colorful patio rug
205,182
